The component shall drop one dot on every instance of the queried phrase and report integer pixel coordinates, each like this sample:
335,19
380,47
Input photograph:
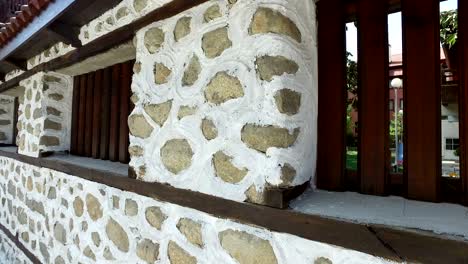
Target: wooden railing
421,179
8,9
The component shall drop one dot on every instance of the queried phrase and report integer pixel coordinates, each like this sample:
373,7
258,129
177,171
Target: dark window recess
101,105
451,143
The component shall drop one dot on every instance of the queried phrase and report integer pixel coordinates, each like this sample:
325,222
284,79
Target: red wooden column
81,116
97,114
373,95
421,56
125,85
463,104
75,114
332,95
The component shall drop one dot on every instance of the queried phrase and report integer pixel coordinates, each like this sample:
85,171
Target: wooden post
75,113
89,115
124,111
463,98
105,111
373,95
332,95
97,114
421,56
114,114
81,116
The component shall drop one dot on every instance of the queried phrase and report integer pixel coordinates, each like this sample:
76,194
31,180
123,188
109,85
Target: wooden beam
75,114
105,111
97,114
18,64
332,93
373,95
463,98
114,114
88,139
82,116
421,54
106,42
67,33
126,82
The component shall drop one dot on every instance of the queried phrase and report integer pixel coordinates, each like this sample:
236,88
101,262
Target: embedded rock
96,239
214,43
131,207
154,38
270,66
182,28
288,101
262,138
148,251
94,207
247,248
56,96
191,230
139,127
161,73
222,88
135,151
3,136
53,111
186,111
60,234
178,255
176,155
159,112
49,141
322,260
155,217
78,206
225,170
89,253
49,124
117,235
122,12
192,72
5,122
209,129
139,5
212,13
288,173
267,20
27,111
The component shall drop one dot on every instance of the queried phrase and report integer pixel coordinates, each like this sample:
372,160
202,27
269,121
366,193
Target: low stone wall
225,98
65,219
7,108
10,253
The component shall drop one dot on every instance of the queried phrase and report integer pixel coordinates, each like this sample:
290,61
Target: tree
449,28
399,126
352,79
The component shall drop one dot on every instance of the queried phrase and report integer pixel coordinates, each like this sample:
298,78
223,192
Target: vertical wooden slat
105,111
81,116
114,114
332,95
124,108
15,120
89,114
463,103
373,95
75,114
97,114
421,56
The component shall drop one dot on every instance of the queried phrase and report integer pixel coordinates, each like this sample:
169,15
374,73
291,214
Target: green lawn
351,159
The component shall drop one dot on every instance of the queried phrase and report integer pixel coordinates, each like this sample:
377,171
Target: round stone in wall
176,155
222,88
262,138
155,217
215,42
182,28
288,101
154,38
139,127
209,129
139,5
225,170
323,260
161,73
270,66
178,255
288,173
267,20
117,235
94,207
148,251
247,248
212,13
159,112
192,72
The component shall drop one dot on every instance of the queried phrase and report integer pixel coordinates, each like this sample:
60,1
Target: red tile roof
21,20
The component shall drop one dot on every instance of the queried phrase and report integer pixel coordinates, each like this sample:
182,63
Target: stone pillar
226,99
45,115
7,108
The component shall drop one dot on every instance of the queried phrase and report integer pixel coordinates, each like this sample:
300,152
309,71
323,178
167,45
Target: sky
394,30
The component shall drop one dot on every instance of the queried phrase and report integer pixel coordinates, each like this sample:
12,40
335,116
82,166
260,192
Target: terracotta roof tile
21,19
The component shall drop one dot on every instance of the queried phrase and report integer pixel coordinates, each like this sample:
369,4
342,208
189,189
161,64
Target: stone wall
7,108
10,253
45,114
64,219
226,98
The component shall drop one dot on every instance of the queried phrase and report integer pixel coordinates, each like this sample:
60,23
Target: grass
351,159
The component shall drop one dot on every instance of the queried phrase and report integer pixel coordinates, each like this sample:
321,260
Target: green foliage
449,28
352,79
399,126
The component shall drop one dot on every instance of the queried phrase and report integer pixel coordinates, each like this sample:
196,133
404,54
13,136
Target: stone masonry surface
65,219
